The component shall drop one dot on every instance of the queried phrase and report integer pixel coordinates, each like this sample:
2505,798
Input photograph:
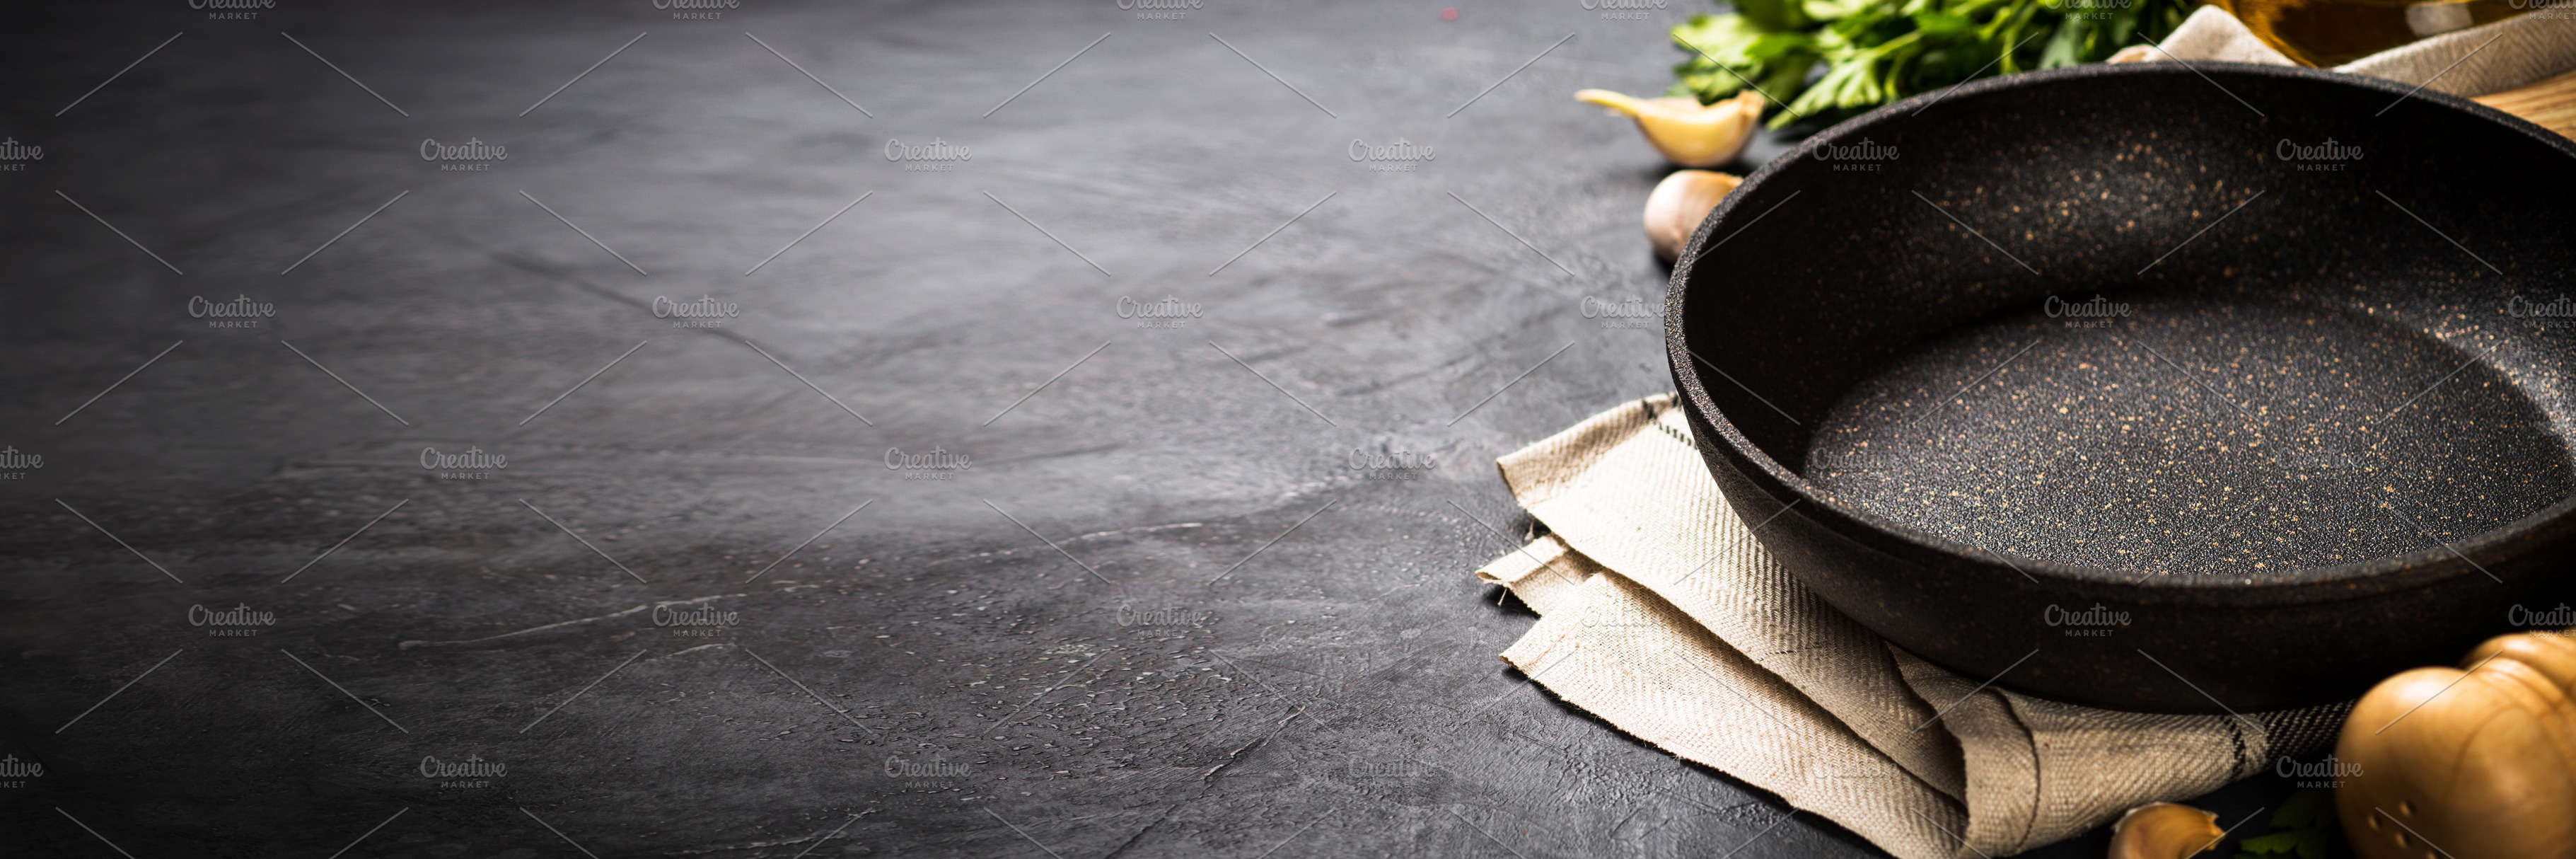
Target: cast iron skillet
2177,389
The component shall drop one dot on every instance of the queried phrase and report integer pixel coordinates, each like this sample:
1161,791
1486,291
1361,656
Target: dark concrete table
1129,596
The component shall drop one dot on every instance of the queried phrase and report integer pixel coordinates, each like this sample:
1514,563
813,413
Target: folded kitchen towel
1661,613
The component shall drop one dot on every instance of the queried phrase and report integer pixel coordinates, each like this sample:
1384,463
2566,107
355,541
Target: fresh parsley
1877,51
2305,828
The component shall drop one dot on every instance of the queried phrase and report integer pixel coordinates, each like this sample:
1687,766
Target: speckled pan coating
2166,388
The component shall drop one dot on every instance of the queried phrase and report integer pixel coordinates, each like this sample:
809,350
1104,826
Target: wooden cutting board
2551,104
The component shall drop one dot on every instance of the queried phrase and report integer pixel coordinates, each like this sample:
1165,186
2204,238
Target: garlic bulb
1678,204
1686,132
2164,830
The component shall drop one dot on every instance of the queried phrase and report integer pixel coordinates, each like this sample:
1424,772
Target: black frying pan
2158,387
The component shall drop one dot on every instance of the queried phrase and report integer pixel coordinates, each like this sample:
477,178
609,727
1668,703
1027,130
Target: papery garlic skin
1679,203
2164,830
1686,132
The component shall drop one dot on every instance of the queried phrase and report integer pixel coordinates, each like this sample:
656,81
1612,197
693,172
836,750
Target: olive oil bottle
2334,32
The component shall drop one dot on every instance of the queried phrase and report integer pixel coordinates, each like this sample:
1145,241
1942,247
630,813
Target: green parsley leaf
1877,51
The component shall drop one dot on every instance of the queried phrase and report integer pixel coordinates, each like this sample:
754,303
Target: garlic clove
2164,830
2476,764
1679,203
1686,132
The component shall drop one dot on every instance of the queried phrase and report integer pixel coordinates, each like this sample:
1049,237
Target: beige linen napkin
1661,613
2474,61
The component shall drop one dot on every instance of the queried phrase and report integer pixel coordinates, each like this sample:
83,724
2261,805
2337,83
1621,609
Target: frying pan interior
2158,323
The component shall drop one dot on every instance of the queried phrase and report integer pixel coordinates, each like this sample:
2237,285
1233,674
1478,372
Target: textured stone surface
1213,636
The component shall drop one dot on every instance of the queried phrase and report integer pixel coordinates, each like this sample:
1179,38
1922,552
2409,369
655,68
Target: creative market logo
240,312
2330,155
936,465
1628,312
2556,618
1171,616
2328,773
1401,768
2089,10
471,156
1867,156
14,156
935,770
2549,314
232,10
2096,622
2552,9
15,772
1398,157
1161,10
2097,313
937,156
473,464
16,464
472,772
705,312
700,621
1167,313
697,10
240,621
1389,464
1623,10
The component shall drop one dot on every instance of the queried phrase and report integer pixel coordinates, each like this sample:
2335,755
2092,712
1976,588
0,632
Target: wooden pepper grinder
2467,764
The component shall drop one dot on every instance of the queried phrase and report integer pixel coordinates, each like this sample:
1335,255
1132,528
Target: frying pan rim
2422,567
